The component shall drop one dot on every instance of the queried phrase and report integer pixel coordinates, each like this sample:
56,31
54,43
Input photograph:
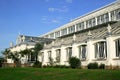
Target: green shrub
93,65
37,64
102,66
74,62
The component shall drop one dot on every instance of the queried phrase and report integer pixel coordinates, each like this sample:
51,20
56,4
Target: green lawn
57,74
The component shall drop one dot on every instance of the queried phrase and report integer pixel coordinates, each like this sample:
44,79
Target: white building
26,42
93,37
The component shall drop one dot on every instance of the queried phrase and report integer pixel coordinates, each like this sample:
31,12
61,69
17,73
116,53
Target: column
109,14
90,51
75,28
84,24
45,60
60,33
54,35
67,30
63,55
110,51
53,54
95,20
75,50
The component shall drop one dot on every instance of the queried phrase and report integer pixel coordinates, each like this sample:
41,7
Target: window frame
68,53
100,49
117,49
81,52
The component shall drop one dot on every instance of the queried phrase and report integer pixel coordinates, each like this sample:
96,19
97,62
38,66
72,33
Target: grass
57,74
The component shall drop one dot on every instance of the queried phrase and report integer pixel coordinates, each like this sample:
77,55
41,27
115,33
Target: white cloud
62,9
48,20
44,18
69,1
55,21
51,9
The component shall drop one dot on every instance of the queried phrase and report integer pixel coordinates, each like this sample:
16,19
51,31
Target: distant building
26,42
93,37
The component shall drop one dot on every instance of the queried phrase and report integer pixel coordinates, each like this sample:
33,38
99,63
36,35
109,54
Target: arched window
118,15
100,50
49,56
82,52
117,47
42,56
58,55
69,53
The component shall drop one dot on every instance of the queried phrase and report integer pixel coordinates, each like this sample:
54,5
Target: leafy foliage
93,65
37,64
16,56
102,66
36,49
1,61
74,62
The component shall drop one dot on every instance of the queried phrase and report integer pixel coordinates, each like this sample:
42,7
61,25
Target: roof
100,32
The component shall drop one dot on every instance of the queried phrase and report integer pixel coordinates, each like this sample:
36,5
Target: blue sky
36,17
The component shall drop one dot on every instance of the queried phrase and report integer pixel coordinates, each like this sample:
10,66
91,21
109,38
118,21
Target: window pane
82,52
69,53
71,29
100,50
58,54
117,43
64,31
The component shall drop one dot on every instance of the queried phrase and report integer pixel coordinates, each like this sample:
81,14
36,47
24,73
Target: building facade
26,42
93,37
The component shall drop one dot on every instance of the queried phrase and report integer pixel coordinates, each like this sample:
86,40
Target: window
49,56
82,52
33,58
98,20
52,35
100,50
106,17
57,34
80,26
58,54
69,53
118,13
64,31
113,18
90,23
46,36
93,22
103,18
115,15
117,44
71,29
42,56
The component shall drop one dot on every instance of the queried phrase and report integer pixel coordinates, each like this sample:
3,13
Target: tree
16,56
37,49
26,52
10,55
1,61
6,53
74,62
